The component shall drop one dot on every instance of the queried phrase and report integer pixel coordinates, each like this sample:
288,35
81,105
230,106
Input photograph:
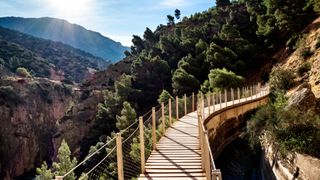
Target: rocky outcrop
293,166
35,115
303,98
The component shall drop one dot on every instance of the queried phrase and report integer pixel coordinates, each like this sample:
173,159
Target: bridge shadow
184,132
175,164
182,145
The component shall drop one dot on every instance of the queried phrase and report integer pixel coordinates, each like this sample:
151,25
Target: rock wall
293,166
35,115
225,125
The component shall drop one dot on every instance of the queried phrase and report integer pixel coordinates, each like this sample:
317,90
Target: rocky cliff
35,115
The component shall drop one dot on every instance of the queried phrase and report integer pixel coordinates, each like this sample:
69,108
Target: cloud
174,3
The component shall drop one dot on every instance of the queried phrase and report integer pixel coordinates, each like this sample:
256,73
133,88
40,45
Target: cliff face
35,115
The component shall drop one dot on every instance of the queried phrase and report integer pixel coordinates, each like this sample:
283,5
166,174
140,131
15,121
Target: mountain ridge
74,63
72,34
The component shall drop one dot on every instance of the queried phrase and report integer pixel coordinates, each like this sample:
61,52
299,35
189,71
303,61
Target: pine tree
170,20
164,96
128,116
64,163
44,173
184,82
222,3
177,13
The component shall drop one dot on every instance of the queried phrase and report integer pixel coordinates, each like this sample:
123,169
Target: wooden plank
178,154
174,170
173,178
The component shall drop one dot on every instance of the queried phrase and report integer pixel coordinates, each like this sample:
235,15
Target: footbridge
177,140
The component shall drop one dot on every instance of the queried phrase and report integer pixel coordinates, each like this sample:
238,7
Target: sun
69,8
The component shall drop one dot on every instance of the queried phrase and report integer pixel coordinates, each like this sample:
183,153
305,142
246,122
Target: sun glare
69,8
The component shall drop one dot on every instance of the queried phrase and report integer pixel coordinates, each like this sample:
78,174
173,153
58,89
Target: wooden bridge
187,147
184,151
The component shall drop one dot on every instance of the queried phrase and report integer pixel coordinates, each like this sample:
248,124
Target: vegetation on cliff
294,127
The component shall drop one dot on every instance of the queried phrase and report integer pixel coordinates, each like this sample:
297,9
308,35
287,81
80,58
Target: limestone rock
303,98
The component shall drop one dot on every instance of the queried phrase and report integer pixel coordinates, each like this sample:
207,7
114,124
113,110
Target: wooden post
202,107
163,118
119,156
251,91
243,92
226,96
177,108
216,173
232,96
238,89
185,104
246,93
208,99
142,153
58,177
207,156
193,102
201,144
220,99
214,101
170,113
154,136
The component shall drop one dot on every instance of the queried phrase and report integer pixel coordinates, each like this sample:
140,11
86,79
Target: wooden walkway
178,154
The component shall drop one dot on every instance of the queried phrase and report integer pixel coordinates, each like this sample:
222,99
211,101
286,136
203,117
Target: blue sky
117,19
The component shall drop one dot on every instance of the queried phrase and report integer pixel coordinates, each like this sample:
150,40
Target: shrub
306,52
305,67
292,129
224,79
23,72
164,97
281,79
317,43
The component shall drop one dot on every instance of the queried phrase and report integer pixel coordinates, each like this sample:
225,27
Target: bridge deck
178,154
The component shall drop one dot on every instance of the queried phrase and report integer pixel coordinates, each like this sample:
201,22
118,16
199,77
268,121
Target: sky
116,19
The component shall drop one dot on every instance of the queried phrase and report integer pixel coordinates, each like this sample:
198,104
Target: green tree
222,3
23,72
170,20
164,97
223,79
44,173
183,82
123,87
149,37
128,116
138,44
64,163
177,13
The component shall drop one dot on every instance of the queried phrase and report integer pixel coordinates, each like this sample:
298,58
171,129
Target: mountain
44,58
65,32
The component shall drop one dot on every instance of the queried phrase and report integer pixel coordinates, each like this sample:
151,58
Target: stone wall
226,124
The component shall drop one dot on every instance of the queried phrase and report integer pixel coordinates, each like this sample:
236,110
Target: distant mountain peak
72,34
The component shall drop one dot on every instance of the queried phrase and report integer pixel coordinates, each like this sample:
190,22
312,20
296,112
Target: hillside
227,46
65,32
73,64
